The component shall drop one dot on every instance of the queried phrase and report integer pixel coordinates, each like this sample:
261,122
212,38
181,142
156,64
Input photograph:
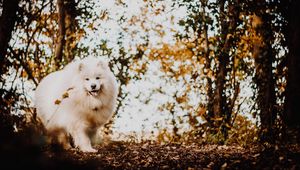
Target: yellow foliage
173,58
24,74
255,21
201,111
65,95
57,102
181,99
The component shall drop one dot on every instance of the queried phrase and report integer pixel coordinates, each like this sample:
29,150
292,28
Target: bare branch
24,65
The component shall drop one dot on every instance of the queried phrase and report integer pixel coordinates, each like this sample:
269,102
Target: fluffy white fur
76,101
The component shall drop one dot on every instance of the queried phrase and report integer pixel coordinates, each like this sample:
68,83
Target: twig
24,65
238,109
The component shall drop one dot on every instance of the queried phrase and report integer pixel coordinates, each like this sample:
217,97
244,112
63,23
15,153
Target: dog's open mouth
94,92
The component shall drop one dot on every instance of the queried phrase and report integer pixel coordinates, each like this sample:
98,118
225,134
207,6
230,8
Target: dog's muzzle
95,92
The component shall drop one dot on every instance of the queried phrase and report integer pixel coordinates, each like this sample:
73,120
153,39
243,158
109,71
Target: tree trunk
71,30
207,66
264,57
220,109
292,103
67,41
61,33
7,23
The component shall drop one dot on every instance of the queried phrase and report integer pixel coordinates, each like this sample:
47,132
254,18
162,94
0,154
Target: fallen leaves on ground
150,155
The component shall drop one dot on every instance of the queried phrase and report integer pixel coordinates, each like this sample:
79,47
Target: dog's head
93,74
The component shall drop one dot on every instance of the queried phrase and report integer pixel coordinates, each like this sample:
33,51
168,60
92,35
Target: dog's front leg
82,140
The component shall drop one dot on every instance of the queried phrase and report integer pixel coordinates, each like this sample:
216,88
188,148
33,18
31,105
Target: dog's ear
80,67
103,64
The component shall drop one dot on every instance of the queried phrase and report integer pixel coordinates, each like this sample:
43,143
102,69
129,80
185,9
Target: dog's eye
87,79
97,78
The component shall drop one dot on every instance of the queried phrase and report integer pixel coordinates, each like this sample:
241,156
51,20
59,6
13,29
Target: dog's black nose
93,86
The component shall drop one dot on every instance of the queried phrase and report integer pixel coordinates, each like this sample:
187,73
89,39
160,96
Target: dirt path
121,155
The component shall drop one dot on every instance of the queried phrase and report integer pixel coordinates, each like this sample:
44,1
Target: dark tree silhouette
61,34
65,50
292,103
7,23
264,78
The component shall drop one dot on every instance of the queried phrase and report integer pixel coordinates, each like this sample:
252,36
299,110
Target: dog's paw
88,149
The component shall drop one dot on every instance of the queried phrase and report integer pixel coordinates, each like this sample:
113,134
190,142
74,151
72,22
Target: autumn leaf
65,95
57,102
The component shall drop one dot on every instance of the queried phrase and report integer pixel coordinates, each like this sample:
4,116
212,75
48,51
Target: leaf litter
151,155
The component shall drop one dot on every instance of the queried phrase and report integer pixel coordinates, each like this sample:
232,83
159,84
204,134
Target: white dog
76,101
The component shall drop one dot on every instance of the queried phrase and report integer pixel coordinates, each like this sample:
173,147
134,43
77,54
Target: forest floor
148,155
